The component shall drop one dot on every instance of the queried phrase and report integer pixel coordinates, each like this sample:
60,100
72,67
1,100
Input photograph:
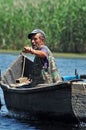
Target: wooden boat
65,100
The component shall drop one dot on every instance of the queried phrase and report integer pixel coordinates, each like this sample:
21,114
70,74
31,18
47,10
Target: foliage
64,23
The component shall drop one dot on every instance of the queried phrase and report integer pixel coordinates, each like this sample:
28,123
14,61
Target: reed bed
64,22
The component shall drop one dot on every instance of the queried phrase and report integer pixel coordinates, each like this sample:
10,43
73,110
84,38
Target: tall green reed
64,23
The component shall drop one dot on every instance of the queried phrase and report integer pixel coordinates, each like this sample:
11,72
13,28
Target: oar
67,78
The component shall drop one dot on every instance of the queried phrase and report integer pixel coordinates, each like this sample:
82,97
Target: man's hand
29,50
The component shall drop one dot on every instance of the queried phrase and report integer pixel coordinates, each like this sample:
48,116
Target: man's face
36,41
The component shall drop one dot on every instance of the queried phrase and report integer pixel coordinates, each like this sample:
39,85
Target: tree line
63,21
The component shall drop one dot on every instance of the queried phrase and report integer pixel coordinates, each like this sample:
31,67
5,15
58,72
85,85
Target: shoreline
59,54
70,55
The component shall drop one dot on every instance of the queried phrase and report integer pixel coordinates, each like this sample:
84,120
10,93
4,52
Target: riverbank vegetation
59,54
64,22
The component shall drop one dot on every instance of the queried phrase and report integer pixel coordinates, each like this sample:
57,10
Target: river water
8,121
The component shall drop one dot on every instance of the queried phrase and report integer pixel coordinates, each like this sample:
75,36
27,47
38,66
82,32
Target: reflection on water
17,121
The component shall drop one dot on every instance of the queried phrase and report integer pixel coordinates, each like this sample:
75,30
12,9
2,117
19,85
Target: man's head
35,32
37,37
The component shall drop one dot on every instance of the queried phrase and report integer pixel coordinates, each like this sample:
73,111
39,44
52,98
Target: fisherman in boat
45,69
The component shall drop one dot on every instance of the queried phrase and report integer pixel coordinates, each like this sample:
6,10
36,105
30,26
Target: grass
70,55
60,55
10,51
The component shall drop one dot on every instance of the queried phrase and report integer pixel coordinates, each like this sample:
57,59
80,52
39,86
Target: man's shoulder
46,48
43,46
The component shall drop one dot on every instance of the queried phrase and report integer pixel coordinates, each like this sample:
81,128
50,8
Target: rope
23,68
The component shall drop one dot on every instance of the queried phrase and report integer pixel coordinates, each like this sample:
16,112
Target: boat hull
53,101
79,99
65,100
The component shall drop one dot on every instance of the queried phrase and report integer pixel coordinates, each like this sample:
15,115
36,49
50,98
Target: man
44,69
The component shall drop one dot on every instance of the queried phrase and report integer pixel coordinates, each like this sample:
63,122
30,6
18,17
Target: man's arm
39,53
